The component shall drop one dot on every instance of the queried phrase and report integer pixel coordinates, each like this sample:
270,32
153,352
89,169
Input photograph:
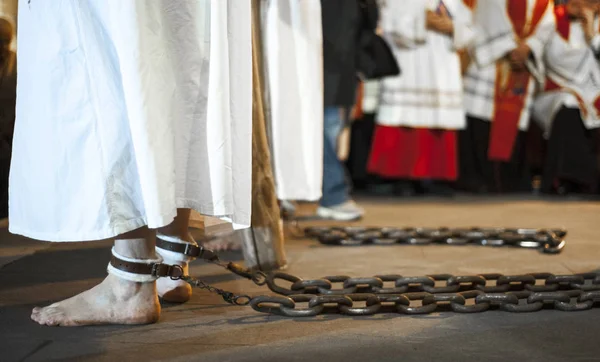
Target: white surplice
429,92
495,38
573,78
128,110
293,54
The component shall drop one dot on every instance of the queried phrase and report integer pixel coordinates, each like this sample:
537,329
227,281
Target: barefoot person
125,123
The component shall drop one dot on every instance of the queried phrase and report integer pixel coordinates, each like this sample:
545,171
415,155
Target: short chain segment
551,241
228,297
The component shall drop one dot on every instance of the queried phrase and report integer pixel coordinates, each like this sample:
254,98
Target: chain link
231,298
550,241
434,284
428,294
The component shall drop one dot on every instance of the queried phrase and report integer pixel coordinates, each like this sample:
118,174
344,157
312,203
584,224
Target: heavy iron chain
550,241
422,294
429,294
413,295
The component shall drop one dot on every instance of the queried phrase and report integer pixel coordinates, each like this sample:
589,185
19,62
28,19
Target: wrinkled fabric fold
128,110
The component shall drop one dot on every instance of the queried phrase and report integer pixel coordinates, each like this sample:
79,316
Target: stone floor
33,273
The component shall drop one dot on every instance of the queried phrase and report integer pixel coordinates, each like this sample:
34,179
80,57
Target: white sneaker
348,211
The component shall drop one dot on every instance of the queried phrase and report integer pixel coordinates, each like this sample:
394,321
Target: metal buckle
187,250
193,250
155,271
175,272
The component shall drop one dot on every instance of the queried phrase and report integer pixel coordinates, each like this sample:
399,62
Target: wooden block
197,220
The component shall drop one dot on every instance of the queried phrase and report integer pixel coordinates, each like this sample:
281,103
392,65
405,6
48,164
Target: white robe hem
127,226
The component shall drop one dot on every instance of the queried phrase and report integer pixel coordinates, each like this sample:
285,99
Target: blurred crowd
415,97
493,96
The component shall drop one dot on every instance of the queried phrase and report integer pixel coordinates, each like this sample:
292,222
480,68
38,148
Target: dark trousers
571,154
478,174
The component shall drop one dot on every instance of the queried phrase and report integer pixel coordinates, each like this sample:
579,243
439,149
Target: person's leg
335,203
175,291
335,187
472,145
176,234
571,157
122,298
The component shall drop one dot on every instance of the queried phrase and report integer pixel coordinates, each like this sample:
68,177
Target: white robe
572,66
128,110
495,39
293,53
429,92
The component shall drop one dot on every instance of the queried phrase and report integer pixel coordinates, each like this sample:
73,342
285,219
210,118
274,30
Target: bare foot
114,301
175,291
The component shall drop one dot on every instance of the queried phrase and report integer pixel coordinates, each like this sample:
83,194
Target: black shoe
434,188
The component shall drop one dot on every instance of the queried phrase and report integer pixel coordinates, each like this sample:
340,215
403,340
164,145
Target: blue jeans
336,189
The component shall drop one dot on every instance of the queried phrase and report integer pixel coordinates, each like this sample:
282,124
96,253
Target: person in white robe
421,110
129,114
499,87
568,109
293,67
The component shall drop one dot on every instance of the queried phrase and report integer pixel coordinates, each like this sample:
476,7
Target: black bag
376,60
375,57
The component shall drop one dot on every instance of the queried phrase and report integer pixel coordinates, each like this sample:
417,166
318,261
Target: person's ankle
127,289
174,291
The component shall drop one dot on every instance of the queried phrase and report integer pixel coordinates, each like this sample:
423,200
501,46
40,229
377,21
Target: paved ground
35,273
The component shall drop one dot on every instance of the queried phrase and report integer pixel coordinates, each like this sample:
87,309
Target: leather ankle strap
154,269
188,249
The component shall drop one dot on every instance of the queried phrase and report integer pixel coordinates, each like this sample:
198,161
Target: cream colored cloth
293,56
128,110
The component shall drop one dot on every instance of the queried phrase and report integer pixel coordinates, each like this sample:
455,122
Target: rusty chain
550,241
